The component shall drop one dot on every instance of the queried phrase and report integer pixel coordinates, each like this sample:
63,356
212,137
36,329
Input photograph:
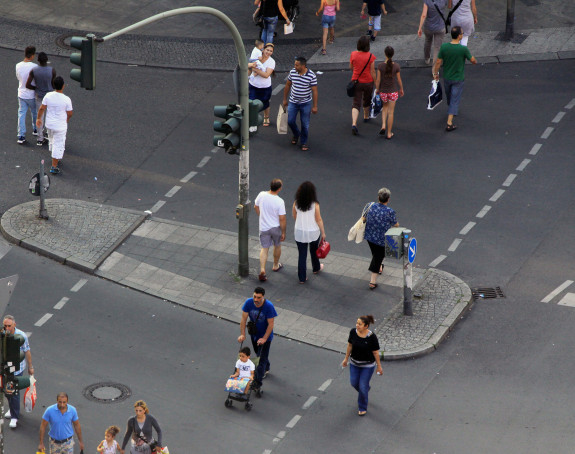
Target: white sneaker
13,423
8,415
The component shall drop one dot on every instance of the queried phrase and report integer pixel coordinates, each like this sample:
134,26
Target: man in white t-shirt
58,108
26,97
271,209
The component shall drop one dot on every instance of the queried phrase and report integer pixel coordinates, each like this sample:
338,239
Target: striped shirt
300,92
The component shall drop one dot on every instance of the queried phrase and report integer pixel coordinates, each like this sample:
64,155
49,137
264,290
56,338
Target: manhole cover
63,41
487,292
107,393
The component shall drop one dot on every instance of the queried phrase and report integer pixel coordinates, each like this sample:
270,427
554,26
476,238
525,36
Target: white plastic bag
30,395
282,120
435,96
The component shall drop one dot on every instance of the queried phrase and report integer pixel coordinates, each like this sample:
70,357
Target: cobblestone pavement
196,267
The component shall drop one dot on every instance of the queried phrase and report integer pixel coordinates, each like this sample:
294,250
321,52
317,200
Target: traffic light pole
244,160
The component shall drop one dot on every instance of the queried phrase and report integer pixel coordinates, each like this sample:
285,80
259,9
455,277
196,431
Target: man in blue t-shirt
261,314
63,421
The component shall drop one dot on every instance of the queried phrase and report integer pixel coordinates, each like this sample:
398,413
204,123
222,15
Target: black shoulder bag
252,328
448,20
352,83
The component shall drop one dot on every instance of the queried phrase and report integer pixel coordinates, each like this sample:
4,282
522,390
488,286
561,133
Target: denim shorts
327,21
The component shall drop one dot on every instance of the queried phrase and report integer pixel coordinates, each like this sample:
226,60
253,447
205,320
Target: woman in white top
308,228
465,16
260,79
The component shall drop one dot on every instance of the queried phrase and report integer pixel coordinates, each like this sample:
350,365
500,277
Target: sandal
450,128
294,140
331,40
262,277
304,148
323,51
266,121
372,286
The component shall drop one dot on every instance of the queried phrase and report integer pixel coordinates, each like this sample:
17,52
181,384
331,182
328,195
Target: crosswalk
568,299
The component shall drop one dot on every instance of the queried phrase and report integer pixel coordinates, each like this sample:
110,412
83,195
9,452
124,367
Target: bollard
407,275
43,211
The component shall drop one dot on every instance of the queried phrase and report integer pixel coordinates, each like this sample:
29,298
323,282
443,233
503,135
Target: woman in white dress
465,16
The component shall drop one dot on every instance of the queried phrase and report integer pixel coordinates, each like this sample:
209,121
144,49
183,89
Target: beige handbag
282,120
358,230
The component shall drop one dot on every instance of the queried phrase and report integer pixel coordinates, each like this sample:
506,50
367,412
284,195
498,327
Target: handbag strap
368,61
366,209
441,14
448,20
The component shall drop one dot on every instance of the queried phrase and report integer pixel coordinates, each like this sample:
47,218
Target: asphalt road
499,384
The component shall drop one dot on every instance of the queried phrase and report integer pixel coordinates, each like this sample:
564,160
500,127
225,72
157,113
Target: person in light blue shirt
379,219
63,420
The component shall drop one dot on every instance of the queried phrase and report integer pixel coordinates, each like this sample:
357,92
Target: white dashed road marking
509,180
293,422
521,167
568,300
309,402
79,285
547,132
159,204
465,230
204,161
43,320
454,245
60,304
558,117
437,261
483,211
188,177
556,292
325,385
172,191
497,194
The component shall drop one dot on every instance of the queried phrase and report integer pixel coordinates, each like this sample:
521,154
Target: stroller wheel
248,406
228,403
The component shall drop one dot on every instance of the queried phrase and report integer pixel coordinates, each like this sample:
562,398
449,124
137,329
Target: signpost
409,250
38,186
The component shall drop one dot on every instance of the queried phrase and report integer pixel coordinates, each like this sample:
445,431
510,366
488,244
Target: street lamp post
510,20
244,160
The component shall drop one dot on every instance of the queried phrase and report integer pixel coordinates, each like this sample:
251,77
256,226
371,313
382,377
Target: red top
358,60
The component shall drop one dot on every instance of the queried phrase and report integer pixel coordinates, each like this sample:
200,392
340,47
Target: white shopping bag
282,120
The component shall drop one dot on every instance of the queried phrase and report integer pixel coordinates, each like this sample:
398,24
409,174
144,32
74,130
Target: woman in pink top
362,63
329,8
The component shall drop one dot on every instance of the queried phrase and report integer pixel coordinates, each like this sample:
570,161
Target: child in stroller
238,385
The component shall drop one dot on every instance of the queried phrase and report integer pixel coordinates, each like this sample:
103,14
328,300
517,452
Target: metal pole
407,275
510,20
43,211
244,161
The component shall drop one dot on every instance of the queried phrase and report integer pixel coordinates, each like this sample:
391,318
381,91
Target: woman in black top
363,355
271,10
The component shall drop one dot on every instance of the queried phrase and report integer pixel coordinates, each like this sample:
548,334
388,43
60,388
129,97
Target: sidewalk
195,267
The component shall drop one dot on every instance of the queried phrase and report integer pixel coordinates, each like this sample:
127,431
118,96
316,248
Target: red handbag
323,249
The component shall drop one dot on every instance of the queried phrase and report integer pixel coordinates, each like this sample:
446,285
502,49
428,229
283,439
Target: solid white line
278,88
465,230
555,292
497,194
60,304
535,149
437,261
454,245
309,402
79,285
293,422
204,161
188,177
159,204
43,320
509,180
483,211
558,117
172,191
325,385
571,104
521,167
547,133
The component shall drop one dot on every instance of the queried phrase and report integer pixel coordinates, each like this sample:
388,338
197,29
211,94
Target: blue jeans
269,29
263,352
302,258
305,112
23,106
359,378
453,92
14,404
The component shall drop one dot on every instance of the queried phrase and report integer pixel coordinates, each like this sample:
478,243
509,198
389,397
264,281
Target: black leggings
377,256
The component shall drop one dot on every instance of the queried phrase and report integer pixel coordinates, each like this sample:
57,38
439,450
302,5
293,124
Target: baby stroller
236,390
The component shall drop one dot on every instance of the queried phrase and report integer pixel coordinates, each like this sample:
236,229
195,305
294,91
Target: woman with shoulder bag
362,63
379,219
309,230
139,431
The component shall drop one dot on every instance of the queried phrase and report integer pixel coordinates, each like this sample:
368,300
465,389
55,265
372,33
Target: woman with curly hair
309,230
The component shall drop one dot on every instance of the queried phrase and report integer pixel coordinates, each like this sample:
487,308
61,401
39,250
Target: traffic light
85,59
11,354
230,131
256,118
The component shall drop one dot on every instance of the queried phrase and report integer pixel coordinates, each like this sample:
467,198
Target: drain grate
487,292
107,393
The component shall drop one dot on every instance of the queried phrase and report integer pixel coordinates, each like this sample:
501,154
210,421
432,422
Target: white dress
463,17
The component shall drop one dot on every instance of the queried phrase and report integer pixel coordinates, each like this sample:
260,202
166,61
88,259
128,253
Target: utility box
394,242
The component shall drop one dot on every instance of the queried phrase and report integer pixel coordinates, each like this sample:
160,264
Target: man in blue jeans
301,88
452,56
261,314
26,97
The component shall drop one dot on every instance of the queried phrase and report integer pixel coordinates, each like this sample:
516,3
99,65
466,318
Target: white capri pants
57,143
